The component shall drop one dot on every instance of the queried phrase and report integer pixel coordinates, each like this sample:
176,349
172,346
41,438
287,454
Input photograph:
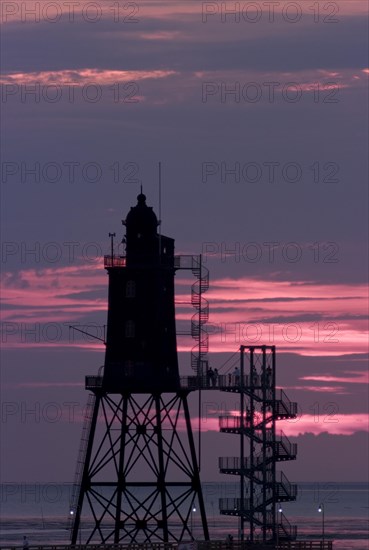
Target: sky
259,118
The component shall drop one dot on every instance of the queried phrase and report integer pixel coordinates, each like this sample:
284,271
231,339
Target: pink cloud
172,86
51,287
245,311
340,390
162,35
56,346
50,385
81,77
339,424
355,377
42,304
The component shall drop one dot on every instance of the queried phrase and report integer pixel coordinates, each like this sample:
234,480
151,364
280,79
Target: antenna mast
159,208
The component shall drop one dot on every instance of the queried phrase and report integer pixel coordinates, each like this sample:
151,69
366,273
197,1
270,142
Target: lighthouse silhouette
141,351
137,476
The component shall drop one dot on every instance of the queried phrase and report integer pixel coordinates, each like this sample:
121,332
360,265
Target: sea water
41,511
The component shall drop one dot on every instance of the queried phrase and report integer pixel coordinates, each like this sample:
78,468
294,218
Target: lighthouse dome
141,218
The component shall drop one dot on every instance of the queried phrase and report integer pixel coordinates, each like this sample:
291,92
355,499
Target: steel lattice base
140,479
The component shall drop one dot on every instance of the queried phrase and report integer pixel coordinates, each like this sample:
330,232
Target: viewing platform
224,382
183,261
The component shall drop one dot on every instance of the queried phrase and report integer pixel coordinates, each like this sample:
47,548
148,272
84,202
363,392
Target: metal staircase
284,449
81,458
199,362
286,531
261,486
199,352
284,408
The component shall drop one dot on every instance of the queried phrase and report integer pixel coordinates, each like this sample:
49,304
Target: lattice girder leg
140,477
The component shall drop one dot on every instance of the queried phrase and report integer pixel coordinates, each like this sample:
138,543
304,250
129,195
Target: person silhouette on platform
229,541
210,377
236,374
215,378
268,376
25,543
254,376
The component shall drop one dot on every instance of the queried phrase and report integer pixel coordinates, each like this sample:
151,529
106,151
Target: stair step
82,455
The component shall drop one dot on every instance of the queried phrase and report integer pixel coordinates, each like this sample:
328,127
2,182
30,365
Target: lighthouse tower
141,349
137,474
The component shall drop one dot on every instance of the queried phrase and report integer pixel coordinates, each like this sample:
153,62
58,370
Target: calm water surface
40,511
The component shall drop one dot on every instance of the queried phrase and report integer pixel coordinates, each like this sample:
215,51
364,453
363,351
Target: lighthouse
141,348
137,478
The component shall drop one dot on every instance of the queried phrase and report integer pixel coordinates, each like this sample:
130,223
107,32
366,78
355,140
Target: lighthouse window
130,329
130,289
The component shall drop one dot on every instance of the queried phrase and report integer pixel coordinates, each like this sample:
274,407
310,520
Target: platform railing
190,382
178,262
186,382
93,382
221,382
232,463
305,545
195,545
284,406
235,505
115,261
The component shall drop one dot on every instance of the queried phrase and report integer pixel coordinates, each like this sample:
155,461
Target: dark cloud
87,295
109,45
15,280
